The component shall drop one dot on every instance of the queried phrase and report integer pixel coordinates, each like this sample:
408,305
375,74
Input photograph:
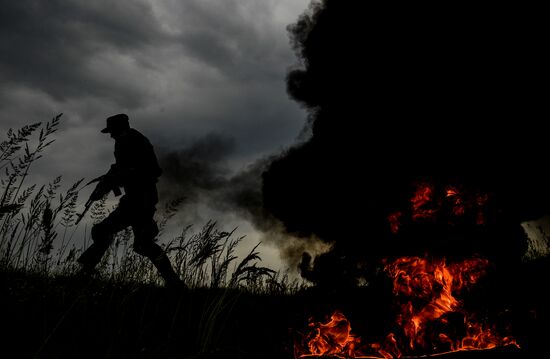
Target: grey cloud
242,42
222,71
50,44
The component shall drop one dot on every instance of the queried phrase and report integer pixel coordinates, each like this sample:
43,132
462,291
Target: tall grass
38,231
30,216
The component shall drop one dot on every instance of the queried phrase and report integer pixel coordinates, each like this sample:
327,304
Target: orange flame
436,284
426,291
332,338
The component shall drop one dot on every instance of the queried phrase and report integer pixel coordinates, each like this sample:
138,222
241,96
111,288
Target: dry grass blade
248,270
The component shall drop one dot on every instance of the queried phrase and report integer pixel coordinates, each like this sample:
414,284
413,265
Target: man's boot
171,278
90,258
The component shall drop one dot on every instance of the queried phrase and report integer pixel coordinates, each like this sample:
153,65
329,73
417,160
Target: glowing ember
422,203
458,209
446,205
394,221
430,320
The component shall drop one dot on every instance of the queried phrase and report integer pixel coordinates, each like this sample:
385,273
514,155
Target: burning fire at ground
332,338
430,316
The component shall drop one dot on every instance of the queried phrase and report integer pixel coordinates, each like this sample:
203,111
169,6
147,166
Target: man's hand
104,186
99,192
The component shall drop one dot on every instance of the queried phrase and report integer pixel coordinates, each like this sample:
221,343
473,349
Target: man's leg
102,236
145,232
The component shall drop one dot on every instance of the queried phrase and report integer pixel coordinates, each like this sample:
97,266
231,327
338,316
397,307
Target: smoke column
399,95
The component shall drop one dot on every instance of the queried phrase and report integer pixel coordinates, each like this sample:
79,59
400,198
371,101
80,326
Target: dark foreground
67,318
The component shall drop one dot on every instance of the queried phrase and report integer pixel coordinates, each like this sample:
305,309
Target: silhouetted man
136,170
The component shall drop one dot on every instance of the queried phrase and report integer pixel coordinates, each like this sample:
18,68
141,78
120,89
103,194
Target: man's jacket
136,168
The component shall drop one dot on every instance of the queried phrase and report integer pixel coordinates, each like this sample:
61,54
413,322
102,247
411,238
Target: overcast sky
185,71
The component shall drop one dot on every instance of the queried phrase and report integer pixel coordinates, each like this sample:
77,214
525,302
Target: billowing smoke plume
409,94
199,174
194,169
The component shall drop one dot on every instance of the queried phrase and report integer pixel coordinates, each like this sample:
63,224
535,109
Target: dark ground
65,318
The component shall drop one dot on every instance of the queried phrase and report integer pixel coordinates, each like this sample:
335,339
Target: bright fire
333,337
430,319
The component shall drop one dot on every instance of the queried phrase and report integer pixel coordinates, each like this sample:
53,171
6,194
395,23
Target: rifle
99,191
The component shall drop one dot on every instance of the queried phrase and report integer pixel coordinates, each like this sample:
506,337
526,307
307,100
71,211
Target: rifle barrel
86,208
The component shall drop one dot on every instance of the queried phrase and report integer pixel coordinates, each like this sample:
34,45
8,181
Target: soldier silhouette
136,170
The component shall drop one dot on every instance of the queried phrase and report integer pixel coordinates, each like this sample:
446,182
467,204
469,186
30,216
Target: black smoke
195,168
199,174
404,94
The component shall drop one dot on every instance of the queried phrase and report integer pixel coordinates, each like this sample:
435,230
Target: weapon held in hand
101,189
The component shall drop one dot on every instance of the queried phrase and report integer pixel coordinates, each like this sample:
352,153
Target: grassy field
67,318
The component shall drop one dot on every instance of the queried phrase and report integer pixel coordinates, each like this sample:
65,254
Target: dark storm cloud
179,68
52,45
247,49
